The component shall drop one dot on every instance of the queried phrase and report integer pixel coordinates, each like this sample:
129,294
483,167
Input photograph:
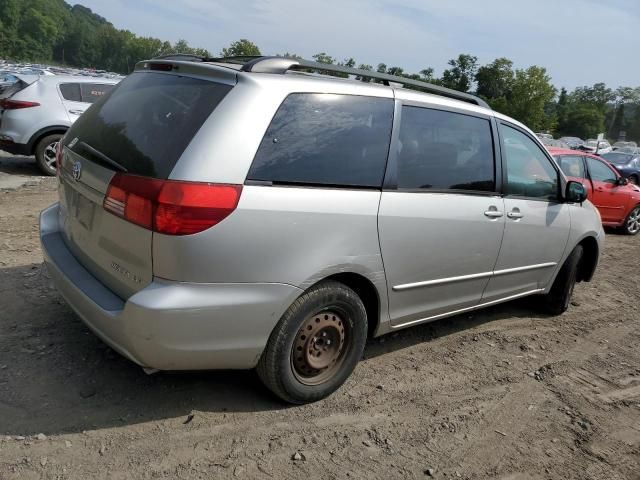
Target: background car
593,146
573,142
36,111
619,145
551,142
617,201
627,164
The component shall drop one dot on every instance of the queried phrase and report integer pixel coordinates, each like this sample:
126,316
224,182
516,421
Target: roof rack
284,64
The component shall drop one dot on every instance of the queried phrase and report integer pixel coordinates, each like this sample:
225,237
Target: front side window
529,172
600,172
442,150
326,139
571,165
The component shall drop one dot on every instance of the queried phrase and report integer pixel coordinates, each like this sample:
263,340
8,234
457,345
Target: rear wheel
557,300
632,222
316,345
46,154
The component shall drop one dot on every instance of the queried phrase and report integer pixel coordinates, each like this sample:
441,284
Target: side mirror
575,192
621,181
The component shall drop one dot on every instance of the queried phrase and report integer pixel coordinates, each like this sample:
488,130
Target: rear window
326,139
146,123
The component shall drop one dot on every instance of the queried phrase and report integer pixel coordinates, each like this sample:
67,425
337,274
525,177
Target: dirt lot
503,393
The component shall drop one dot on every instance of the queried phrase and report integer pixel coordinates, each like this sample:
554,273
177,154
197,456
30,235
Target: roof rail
284,64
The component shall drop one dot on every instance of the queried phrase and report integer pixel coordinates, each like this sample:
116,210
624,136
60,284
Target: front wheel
557,300
46,154
632,222
316,345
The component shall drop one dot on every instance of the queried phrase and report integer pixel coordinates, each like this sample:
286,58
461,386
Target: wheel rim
633,221
319,347
50,154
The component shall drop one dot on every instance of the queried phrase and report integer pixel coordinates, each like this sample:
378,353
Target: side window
326,139
529,172
94,91
71,92
445,151
600,172
572,165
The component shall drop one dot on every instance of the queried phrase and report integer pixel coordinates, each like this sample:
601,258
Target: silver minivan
258,213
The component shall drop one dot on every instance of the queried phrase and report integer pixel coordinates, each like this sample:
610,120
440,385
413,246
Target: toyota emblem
77,171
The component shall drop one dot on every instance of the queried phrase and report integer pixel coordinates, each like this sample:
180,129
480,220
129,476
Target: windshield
617,158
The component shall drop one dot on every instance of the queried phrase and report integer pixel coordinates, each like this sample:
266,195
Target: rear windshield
146,122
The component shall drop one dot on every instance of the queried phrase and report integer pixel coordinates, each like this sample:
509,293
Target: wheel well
367,293
589,259
33,143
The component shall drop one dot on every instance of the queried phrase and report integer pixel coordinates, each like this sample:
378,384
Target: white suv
37,111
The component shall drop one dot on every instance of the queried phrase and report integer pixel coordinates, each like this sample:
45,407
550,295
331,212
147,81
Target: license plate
84,210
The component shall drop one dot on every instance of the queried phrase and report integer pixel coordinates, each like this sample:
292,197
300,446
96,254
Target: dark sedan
628,164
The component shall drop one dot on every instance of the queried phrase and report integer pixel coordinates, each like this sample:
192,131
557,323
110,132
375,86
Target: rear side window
71,92
445,151
326,139
571,165
94,91
146,123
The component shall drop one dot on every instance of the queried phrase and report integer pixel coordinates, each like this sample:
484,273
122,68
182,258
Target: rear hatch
9,90
134,134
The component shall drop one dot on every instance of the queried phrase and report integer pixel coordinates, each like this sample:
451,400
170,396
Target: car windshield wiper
103,157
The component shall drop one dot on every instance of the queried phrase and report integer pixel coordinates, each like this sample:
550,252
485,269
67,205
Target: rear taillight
171,207
8,104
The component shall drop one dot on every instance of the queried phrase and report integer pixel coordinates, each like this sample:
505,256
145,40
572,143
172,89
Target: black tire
276,367
43,152
634,179
631,224
557,300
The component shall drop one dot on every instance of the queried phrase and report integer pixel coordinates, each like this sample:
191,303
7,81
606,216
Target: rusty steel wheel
319,347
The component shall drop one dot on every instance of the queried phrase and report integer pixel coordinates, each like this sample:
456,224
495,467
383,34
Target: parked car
573,142
617,200
239,215
627,164
593,146
619,145
37,111
543,136
550,142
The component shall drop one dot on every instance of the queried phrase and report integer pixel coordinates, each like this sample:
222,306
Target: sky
580,42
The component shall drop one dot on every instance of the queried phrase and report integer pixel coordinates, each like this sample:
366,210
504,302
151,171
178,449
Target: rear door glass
326,139
94,91
71,92
147,121
572,165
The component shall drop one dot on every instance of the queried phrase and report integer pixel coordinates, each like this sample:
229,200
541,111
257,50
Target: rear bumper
14,148
169,325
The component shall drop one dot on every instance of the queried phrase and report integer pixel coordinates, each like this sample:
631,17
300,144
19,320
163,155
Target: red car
617,200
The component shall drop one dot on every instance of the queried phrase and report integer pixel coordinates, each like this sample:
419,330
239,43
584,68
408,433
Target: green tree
461,74
530,92
241,48
495,80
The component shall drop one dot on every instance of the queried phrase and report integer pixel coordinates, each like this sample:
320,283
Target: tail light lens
7,104
171,207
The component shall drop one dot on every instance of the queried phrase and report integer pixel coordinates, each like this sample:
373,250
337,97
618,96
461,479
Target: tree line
54,31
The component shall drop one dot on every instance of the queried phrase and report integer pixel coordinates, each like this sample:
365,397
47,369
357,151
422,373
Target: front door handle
76,112
515,214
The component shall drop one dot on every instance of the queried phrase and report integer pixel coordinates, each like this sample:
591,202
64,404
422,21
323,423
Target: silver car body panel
211,300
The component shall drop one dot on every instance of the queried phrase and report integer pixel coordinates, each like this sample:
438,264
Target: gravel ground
502,393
